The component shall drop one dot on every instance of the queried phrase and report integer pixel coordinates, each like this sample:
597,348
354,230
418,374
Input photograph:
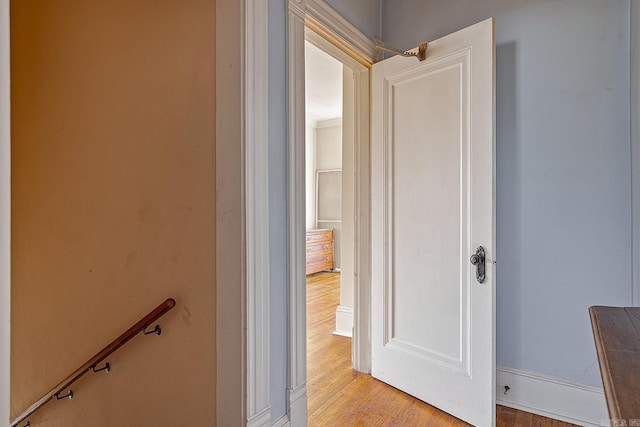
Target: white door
433,327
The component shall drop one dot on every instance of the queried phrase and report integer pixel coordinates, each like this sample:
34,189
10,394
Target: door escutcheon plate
478,259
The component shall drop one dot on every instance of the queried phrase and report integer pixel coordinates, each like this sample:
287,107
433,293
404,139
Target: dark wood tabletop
616,331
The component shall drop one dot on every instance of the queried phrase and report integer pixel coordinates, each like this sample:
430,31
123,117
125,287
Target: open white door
433,323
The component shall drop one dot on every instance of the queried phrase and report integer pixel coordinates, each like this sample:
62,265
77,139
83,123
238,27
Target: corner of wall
5,211
380,18
230,323
635,149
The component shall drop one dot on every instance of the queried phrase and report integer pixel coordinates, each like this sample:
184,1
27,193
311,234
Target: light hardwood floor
340,396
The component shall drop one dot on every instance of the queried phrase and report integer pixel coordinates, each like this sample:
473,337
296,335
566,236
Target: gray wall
364,14
563,167
635,144
277,207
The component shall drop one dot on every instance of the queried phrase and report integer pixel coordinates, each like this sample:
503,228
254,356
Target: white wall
329,145
563,170
329,156
5,212
310,174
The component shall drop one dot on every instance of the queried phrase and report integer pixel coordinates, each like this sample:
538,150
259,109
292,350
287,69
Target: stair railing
92,364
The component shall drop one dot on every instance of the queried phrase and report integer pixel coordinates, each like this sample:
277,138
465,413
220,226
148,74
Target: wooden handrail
140,326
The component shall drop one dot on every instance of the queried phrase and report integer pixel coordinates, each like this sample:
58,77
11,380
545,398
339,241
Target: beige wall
113,207
230,273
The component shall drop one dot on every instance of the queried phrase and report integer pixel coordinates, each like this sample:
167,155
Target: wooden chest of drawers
319,250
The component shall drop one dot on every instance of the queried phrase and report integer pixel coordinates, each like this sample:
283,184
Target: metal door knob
477,259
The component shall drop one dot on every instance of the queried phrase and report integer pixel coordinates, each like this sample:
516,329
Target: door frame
349,45
250,264
318,33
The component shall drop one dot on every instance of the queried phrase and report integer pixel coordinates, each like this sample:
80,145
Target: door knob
477,259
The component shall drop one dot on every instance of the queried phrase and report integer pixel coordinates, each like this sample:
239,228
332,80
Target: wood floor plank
505,417
339,396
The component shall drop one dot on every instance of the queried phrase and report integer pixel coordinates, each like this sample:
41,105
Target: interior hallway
340,396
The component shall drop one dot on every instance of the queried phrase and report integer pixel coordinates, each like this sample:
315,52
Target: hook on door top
380,46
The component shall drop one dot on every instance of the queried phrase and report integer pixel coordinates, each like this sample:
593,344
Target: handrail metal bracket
106,368
157,330
69,395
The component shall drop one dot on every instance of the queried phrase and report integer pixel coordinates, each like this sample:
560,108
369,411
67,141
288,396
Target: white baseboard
297,400
344,321
261,419
551,397
282,422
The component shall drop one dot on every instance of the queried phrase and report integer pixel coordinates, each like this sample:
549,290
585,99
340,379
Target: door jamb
361,284
341,33
325,21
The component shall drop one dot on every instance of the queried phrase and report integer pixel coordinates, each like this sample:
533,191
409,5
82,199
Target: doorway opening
330,223
329,192
337,180
318,26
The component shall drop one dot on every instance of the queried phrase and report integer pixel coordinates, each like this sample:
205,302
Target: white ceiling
323,85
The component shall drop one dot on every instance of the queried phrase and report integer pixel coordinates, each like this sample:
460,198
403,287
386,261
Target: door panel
427,241
432,204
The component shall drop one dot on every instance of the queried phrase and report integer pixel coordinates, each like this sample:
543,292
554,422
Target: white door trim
256,167
297,336
5,212
323,19
361,343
